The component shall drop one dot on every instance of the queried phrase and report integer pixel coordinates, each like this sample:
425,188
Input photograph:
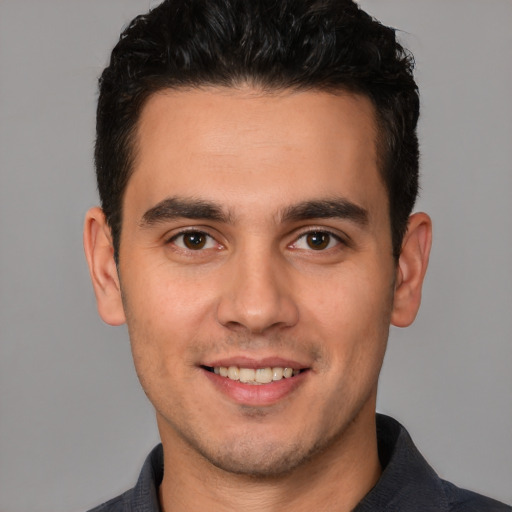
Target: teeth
247,375
277,373
264,375
258,376
233,372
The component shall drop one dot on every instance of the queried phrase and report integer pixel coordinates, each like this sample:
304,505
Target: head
257,164
330,46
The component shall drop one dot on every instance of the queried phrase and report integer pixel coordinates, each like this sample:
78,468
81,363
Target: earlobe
412,266
99,253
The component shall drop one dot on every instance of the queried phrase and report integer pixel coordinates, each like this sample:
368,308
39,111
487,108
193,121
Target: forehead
234,144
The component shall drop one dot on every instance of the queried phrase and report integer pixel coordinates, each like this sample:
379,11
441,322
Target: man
257,164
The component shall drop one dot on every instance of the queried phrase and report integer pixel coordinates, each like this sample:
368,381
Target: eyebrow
339,208
199,209
187,208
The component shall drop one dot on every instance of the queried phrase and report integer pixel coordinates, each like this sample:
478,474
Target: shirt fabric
407,483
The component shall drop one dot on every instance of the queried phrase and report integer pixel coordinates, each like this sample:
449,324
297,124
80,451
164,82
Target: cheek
166,299
165,314
160,344
351,297
351,314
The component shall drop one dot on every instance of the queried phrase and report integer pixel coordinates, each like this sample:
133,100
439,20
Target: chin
260,459
257,463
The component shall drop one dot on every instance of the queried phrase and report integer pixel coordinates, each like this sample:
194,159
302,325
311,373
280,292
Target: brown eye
194,240
318,240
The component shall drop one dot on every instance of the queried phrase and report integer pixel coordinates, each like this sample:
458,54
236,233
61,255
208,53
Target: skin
259,289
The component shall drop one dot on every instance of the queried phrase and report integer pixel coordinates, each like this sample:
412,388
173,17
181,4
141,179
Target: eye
317,241
194,241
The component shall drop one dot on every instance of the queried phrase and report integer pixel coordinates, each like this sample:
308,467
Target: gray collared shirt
407,484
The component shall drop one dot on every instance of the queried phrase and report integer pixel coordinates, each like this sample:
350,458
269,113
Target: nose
257,296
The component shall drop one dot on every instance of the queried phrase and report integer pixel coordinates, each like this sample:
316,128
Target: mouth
255,376
256,383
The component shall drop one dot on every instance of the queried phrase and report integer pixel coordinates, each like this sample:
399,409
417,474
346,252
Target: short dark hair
329,45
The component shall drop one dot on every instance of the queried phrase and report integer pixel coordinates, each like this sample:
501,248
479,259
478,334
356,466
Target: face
256,271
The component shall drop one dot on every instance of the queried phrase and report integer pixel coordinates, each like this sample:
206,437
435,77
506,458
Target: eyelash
332,237
197,232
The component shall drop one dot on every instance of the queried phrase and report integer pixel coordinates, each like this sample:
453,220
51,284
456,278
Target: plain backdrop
74,424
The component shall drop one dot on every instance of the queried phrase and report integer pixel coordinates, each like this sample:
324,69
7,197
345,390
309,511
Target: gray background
74,425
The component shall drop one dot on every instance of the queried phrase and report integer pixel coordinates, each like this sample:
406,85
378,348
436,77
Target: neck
336,479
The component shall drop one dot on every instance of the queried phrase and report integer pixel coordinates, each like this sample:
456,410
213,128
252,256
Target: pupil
194,240
318,240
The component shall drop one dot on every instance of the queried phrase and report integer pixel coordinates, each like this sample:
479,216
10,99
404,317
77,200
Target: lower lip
256,394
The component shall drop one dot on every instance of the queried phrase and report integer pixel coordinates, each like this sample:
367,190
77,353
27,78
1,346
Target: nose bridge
256,295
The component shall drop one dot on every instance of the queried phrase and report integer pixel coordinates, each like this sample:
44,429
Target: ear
412,266
99,252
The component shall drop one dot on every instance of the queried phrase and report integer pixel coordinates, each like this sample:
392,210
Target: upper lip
248,362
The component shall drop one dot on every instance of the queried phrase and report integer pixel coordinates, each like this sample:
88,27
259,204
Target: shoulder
120,503
144,496
462,500
409,483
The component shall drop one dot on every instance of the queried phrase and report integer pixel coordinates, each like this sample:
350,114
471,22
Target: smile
256,384
255,375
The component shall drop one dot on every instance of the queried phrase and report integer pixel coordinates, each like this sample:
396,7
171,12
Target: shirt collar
407,481
144,496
